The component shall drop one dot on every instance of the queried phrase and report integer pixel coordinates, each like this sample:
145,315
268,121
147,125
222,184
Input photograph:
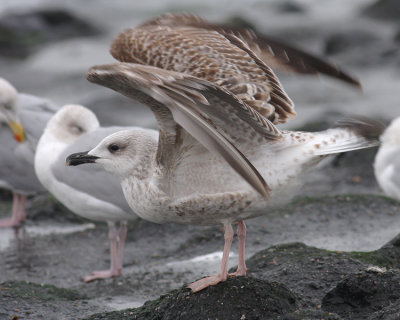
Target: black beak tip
78,158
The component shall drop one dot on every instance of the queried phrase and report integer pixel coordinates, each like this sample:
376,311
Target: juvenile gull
184,177
22,121
216,103
387,161
93,194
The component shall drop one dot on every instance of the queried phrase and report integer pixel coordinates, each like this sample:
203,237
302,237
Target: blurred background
47,46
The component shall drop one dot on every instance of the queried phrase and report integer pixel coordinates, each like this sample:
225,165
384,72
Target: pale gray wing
91,179
34,112
34,103
177,100
16,164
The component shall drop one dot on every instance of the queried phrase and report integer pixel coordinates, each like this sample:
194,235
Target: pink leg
113,271
14,220
121,244
241,232
21,208
223,272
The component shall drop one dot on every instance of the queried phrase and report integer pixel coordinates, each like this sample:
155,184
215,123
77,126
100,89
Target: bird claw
206,282
102,274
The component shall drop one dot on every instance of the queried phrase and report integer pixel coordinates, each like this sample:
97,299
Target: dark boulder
361,294
384,9
237,298
22,33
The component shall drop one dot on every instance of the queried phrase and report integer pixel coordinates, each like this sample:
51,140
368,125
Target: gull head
123,154
70,122
9,109
391,136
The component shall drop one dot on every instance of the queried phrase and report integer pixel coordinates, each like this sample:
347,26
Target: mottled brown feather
275,53
223,60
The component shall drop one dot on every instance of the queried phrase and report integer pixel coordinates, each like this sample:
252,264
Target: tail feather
350,134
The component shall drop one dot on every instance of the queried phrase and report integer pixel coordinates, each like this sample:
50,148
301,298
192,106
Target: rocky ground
320,257
331,253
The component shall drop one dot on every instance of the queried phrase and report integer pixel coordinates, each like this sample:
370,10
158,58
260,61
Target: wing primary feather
207,135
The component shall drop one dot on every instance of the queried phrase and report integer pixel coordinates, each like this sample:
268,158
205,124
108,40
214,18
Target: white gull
86,191
23,118
387,161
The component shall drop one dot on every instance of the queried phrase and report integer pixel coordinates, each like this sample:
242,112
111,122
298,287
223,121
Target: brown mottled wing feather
273,52
180,100
222,59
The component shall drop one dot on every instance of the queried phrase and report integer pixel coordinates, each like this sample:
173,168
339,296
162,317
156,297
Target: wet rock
290,7
236,298
310,315
384,9
390,312
361,294
22,33
389,254
287,263
27,300
350,40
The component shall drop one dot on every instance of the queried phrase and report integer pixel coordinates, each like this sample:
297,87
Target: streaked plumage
216,102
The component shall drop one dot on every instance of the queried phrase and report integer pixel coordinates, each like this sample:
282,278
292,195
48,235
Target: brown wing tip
347,78
102,74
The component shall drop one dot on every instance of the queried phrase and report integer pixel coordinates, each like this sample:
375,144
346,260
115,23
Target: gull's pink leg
121,244
223,272
13,221
241,232
113,271
21,208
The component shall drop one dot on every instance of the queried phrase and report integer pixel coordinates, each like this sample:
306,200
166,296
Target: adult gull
23,118
91,193
387,161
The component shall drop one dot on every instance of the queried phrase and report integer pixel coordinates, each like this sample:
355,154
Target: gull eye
8,107
113,147
78,129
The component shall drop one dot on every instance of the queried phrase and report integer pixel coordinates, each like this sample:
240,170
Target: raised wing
275,53
207,54
182,101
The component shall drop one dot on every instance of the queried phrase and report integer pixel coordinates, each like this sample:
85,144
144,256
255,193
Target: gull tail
349,134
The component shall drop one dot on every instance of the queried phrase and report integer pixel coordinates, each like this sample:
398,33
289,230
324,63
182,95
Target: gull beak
76,159
18,130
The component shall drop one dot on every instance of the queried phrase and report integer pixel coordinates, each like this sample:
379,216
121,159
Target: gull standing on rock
23,118
84,192
219,158
387,161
